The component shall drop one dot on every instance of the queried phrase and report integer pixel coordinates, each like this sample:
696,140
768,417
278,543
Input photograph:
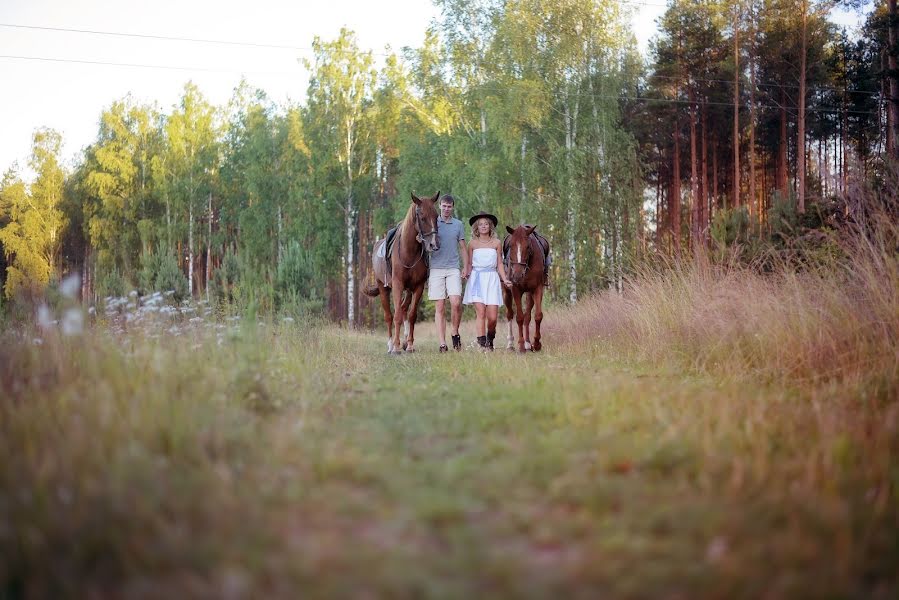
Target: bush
221,288
170,278
296,282
112,283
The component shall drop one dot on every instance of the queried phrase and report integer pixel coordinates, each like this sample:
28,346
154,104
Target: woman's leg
479,318
491,313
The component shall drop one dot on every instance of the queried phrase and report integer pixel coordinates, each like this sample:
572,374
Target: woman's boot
491,335
482,342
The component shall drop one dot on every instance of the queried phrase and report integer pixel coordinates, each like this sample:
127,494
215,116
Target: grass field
296,460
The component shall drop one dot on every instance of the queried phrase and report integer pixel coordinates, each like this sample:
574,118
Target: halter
421,235
527,259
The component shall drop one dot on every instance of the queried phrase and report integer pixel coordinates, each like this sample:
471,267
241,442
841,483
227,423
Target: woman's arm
499,265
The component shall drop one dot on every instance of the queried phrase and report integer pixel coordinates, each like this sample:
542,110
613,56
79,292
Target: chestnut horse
416,234
525,260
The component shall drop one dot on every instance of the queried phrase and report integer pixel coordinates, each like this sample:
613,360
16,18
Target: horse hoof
537,347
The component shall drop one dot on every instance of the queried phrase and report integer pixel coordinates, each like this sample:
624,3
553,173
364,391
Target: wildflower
72,322
69,286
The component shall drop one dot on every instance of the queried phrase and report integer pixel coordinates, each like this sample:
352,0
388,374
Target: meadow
712,432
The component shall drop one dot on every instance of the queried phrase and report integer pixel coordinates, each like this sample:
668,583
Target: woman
485,272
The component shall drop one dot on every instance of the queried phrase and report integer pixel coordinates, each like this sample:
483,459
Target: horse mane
409,220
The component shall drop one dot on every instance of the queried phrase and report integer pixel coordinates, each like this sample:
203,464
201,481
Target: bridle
421,234
420,238
527,259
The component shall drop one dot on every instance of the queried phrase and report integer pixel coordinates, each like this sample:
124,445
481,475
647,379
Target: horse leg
384,292
407,300
538,318
412,315
519,318
507,300
529,305
398,317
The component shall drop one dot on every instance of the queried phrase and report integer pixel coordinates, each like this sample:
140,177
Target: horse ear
416,199
436,197
530,229
509,229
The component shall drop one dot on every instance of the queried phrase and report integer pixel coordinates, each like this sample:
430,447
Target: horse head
519,251
426,214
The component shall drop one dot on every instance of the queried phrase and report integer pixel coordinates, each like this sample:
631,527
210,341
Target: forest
745,127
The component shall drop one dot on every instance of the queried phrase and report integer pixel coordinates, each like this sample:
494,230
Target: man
445,279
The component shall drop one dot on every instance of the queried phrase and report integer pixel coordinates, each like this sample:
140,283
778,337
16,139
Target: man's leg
456,316
440,321
454,291
437,293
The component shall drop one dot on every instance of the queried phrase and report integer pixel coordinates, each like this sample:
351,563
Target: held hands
507,283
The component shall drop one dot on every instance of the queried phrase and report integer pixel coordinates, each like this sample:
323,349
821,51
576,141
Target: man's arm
463,252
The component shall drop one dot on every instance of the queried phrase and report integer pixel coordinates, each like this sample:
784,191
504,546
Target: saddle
383,252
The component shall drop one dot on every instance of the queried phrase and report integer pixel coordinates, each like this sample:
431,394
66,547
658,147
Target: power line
167,38
141,66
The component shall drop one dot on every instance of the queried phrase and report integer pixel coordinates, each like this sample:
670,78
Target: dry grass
711,433
834,324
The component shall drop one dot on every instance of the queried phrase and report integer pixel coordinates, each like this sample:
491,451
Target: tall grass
834,321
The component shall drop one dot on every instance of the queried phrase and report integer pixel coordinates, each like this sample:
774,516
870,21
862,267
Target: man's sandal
457,342
443,348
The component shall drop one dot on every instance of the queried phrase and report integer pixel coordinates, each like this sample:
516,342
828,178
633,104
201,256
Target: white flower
69,286
72,322
44,316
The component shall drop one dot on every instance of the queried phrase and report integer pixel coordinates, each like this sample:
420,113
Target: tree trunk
209,246
674,200
572,213
782,169
714,175
350,223
190,250
800,135
280,235
752,193
524,185
893,106
694,176
736,109
704,211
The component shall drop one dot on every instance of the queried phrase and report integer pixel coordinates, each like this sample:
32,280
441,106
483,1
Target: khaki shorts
443,283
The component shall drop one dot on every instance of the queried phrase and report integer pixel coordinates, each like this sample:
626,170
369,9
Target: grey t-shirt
449,234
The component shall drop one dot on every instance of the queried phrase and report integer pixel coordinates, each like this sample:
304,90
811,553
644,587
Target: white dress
484,285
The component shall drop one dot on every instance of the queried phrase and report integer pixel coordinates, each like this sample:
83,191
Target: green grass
303,461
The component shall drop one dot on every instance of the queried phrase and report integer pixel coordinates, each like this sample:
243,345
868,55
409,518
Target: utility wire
167,38
141,66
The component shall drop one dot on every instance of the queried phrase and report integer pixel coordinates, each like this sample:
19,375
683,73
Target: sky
51,78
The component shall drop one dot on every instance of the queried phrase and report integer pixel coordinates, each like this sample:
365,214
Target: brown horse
405,279
525,259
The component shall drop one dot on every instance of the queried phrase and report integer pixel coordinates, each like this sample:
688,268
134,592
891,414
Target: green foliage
731,226
111,283
298,286
160,273
225,278
34,224
169,276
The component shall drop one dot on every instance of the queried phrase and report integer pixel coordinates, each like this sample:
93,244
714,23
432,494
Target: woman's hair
476,224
